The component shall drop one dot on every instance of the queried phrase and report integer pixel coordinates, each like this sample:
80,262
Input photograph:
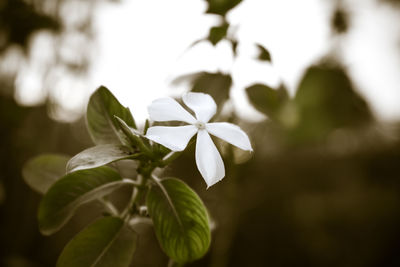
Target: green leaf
98,156
106,242
217,33
267,100
132,135
42,171
263,54
101,122
216,84
326,100
71,191
221,7
180,220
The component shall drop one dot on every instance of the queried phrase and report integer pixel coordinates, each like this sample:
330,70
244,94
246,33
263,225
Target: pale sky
142,46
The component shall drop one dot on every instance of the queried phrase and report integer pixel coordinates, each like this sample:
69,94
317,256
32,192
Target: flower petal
203,105
230,133
208,159
167,109
174,138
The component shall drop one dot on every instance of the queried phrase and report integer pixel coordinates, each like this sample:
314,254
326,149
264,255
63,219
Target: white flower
208,159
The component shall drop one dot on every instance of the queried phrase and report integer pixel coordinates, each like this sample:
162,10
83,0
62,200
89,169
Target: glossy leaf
106,242
43,171
72,190
102,125
267,100
180,220
98,156
263,54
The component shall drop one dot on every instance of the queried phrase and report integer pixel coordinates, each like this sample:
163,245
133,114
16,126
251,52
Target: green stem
169,158
140,220
134,197
132,182
172,156
109,206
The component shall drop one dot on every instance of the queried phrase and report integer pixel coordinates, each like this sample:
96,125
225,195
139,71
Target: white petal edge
208,159
167,109
202,104
174,138
230,133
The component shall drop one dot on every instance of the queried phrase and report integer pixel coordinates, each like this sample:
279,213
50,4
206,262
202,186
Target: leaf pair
179,216
64,193
180,221
106,242
72,190
325,100
112,128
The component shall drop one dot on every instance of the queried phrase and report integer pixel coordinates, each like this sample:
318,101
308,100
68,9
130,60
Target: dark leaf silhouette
267,100
19,20
218,33
263,54
326,100
216,84
221,7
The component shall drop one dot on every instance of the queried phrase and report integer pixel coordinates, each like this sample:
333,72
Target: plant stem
172,156
132,182
134,197
140,220
169,158
109,206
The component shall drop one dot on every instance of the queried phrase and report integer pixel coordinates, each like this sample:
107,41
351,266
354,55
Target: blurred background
315,84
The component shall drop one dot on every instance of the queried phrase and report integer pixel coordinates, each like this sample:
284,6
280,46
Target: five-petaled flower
208,159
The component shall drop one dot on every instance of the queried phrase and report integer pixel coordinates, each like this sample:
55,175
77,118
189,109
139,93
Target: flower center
200,125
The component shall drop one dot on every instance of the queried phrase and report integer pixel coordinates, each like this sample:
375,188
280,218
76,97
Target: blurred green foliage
217,33
268,100
217,84
19,19
393,2
339,20
221,7
263,54
326,100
